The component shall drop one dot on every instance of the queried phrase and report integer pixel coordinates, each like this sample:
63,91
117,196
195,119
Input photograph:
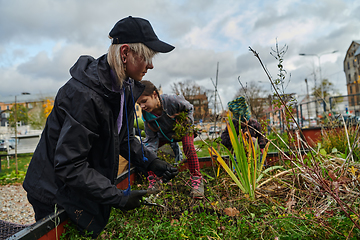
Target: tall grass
341,139
315,169
246,159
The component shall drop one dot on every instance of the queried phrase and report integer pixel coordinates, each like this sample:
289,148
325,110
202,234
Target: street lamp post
318,57
15,119
308,99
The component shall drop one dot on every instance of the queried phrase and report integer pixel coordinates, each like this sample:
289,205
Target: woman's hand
163,169
174,116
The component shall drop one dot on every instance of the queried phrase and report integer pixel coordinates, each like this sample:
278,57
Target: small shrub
337,138
276,141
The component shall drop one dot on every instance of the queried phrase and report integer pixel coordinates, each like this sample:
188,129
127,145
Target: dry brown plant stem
315,169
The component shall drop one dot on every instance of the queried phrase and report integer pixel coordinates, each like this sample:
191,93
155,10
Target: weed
337,139
314,172
183,126
8,174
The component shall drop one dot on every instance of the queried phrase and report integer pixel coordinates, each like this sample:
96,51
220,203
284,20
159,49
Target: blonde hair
115,62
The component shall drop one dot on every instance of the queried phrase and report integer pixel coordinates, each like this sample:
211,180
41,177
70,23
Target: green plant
13,177
8,174
247,162
279,140
315,170
264,218
183,126
72,233
139,123
342,139
184,218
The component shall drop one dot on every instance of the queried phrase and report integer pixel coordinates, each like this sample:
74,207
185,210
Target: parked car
213,130
7,144
11,143
3,145
348,119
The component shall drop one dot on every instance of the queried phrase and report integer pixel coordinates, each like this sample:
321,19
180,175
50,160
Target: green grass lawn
224,213
201,147
8,169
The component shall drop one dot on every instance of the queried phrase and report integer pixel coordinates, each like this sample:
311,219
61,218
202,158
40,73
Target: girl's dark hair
149,88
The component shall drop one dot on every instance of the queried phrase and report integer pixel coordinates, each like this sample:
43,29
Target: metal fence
319,108
313,113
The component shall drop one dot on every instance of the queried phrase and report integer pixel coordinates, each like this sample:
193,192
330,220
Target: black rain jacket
76,161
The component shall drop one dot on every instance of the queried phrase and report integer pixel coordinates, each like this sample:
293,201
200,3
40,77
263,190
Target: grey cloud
318,10
355,13
248,61
82,27
88,22
57,66
196,63
41,66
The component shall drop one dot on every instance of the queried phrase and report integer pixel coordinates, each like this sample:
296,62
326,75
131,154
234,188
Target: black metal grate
8,229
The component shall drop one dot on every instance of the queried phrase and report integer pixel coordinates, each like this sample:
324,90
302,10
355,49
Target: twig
315,170
275,176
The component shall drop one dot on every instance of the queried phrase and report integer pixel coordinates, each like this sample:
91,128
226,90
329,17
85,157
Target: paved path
205,136
14,206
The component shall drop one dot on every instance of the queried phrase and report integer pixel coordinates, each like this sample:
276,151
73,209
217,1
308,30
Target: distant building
201,107
29,101
352,73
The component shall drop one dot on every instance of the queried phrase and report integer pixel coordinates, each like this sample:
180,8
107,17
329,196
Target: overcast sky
41,39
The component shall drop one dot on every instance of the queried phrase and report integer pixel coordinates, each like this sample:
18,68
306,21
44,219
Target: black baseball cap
138,30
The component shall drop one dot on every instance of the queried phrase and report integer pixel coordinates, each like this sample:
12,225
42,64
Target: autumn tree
48,106
328,89
325,89
39,114
187,88
21,115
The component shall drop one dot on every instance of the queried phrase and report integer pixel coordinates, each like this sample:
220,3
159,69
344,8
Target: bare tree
187,88
197,96
326,89
257,98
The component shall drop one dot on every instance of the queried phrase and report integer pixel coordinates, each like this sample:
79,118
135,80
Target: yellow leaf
212,151
48,106
352,170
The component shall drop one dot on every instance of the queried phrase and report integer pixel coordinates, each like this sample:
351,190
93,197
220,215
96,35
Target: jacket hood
95,74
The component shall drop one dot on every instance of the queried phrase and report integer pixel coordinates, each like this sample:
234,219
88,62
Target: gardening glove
163,169
133,200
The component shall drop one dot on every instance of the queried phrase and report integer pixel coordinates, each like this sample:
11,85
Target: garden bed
295,201
282,209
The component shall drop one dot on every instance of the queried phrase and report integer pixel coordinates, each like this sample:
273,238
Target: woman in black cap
75,163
